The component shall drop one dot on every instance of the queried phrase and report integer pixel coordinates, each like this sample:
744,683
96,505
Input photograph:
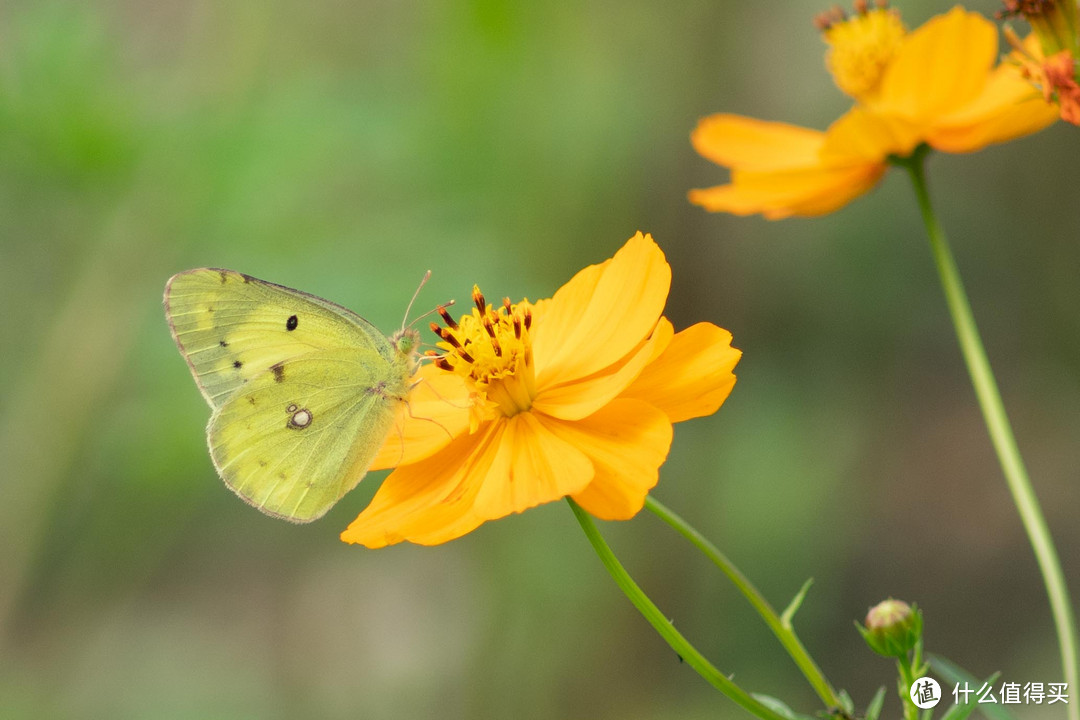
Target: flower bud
892,628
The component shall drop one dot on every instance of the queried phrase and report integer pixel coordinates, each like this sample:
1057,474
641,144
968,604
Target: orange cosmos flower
1059,71
938,85
1051,66
532,402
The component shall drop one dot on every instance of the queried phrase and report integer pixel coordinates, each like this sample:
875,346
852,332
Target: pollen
861,46
492,348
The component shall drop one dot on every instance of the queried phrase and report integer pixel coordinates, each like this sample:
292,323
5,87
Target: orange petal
602,314
531,466
693,376
740,142
423,501
863,136
1007,108
808,191
940,67
436,413
627,442
579,398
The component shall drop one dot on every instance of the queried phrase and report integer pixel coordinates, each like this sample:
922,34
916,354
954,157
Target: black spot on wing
223,344
237,364
224,276
292,322
279,372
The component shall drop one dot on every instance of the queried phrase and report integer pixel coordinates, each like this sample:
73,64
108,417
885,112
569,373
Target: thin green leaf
955,674
873,710
793,606
846,703
959,712
779,707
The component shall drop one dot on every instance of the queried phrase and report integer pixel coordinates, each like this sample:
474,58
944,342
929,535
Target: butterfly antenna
423,281
441,309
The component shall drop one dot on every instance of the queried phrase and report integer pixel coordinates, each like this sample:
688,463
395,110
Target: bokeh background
346,147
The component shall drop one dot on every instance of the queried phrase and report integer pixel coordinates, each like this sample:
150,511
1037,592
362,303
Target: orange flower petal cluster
1051,62
938,85
1059,83
532,402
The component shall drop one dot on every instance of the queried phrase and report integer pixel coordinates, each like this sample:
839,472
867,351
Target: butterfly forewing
294,440
232,327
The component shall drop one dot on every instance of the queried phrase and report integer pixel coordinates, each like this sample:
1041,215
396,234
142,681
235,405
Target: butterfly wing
294,440
231,328
304,391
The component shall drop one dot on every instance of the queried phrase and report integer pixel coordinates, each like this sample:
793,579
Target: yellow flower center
491,348
861,46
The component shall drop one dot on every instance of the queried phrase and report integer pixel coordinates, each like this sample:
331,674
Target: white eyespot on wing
301,418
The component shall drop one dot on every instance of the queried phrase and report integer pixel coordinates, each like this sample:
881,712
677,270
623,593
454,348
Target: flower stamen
447,317
860,46
491,347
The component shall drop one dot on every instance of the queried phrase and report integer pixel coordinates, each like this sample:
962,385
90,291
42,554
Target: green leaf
846,703
873,710
779,707
959,712
955,674
793,606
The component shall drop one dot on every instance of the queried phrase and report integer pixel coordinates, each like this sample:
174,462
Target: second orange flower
940,85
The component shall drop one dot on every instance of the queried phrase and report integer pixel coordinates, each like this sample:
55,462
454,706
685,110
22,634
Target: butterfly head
406,341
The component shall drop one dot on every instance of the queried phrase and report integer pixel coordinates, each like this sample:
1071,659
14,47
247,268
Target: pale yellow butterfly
303,391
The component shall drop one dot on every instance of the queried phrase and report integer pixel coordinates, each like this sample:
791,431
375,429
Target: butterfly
303,391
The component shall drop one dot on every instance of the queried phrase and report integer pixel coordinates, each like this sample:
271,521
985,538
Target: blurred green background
345,148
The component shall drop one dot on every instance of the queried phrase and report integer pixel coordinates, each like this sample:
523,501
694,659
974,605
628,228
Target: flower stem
907,679
663,626
997,423
781,627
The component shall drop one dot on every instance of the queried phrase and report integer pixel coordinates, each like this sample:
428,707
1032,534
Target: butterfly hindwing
294,440
231,328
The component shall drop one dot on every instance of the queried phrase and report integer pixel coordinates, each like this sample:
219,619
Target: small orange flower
937,85
1056,23
532,402
1050,64
1060,72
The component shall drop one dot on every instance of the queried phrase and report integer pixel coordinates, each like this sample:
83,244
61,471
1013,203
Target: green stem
781,627
1001,434
663,626
907,679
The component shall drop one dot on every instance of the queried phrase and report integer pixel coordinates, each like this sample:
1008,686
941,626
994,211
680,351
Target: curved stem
781,627
663,626
997,423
